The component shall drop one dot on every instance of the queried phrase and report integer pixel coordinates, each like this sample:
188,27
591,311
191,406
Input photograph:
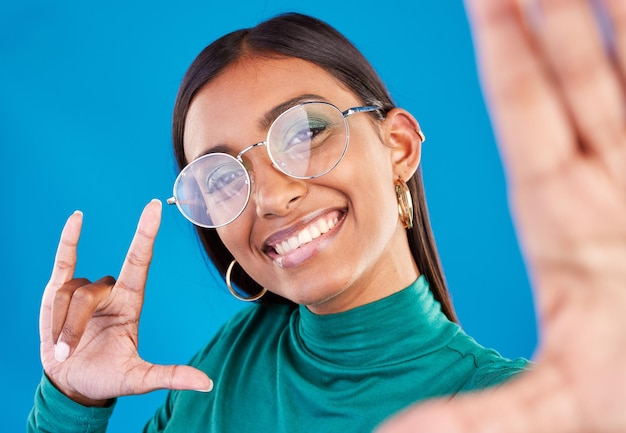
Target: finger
61,304
84,302
520,95
149,377
65,259
134,271
617,31
574,46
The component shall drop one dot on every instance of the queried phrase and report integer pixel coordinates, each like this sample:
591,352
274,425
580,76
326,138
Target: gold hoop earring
234,292
405,203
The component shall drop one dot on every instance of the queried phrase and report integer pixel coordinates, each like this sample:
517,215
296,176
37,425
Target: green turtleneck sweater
279,369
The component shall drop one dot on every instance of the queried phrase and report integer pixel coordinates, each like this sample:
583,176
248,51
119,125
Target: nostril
277,194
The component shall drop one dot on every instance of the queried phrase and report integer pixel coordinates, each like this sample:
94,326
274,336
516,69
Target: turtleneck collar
408,323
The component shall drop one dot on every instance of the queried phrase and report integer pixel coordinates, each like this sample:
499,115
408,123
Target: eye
226,179
305,135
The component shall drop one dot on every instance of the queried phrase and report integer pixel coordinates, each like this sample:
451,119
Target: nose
274,193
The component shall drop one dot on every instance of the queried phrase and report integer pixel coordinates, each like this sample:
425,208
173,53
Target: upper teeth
306,235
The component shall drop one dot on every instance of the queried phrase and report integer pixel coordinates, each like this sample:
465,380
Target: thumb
439,416
174,377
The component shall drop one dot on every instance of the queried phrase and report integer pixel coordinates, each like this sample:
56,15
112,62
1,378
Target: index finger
65,259
134,271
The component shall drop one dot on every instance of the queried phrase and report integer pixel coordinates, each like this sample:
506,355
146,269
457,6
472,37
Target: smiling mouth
309,233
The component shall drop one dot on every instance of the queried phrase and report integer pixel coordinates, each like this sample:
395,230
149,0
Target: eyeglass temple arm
367,108
363,109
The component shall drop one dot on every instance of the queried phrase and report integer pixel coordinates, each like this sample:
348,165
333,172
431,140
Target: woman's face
350,248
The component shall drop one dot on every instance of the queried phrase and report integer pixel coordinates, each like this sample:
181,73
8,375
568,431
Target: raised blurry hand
556,96
88,330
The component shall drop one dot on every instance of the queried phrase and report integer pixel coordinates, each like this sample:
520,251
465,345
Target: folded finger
134,271
83,303
61,304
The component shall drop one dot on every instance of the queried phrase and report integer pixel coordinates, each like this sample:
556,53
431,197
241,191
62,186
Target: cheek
381,205
367,150
235,237
368,171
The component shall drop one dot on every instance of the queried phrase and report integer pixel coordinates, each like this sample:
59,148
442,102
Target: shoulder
490,367
496,372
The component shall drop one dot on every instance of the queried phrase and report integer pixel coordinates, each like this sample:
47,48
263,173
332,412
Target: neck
395,271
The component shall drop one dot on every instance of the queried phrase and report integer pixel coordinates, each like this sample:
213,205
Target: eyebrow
220,148
271,115
266,120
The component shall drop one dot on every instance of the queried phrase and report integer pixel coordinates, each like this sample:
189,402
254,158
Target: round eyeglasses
304,142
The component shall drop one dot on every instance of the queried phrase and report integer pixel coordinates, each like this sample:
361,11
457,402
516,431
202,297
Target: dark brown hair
300,36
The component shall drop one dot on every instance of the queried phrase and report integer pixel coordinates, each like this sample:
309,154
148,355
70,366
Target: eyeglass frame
239,158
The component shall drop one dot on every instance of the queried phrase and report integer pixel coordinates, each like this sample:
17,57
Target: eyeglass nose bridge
247,149
239,157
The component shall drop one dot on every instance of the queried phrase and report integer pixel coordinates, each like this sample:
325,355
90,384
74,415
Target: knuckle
145,234
576,69
68,334
519,85
84,295
70,243
107,280
64,294
173,373
63,265
66,291
137,259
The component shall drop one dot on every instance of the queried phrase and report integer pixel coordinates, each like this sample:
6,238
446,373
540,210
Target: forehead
228,109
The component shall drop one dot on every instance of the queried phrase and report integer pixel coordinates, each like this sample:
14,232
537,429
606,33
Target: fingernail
61,351
78,212
209,389
155,200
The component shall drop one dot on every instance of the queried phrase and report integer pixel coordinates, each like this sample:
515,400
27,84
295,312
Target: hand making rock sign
89,329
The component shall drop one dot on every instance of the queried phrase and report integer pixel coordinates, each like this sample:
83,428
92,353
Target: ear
402,134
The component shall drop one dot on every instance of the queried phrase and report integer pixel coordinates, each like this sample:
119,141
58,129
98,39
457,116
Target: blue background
86,93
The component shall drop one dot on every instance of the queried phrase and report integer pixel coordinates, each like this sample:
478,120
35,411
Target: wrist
79,398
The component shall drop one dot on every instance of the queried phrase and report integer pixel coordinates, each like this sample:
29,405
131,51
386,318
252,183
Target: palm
558,105
107,350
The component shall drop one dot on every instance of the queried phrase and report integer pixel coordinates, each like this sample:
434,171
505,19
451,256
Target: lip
308,249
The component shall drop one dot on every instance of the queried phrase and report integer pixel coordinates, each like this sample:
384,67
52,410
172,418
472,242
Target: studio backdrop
86,96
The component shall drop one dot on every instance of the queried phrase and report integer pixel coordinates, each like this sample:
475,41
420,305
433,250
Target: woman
558,102
295,165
